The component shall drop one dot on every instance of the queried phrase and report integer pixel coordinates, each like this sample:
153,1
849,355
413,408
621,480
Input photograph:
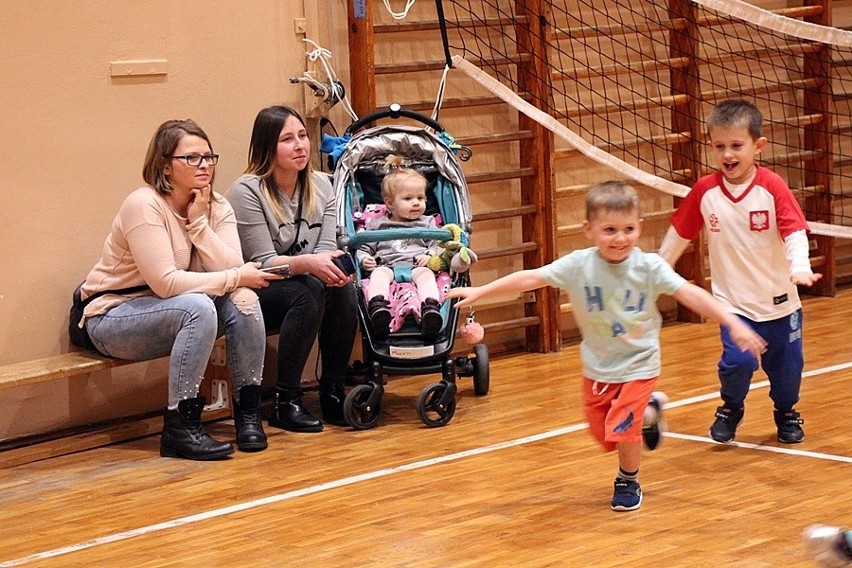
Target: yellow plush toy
456,256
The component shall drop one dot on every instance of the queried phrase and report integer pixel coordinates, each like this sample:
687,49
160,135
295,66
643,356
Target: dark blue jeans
301,308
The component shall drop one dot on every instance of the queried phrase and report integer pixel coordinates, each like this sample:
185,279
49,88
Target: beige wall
73,139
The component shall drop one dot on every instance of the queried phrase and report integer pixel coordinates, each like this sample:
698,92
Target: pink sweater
149,243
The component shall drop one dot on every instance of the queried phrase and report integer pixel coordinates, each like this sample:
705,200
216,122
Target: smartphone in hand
345,264
282,270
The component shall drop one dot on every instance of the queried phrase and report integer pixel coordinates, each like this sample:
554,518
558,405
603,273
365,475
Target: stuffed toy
471,331
456,256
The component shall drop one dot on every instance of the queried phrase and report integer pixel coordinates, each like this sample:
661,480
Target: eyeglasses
194,160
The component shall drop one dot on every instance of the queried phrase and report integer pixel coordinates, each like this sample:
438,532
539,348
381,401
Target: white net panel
629,83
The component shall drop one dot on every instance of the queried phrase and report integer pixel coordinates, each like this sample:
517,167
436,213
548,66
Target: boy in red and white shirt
758,247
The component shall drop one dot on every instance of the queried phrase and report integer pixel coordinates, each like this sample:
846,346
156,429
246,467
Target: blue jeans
301,308
185,327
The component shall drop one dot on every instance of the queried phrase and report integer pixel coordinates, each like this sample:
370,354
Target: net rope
629,84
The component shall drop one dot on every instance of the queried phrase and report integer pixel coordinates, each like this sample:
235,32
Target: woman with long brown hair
286,219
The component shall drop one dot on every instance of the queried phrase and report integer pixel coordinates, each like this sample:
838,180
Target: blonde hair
398,174
614,196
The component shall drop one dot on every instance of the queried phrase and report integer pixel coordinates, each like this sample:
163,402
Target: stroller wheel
481,370
436,404
362,407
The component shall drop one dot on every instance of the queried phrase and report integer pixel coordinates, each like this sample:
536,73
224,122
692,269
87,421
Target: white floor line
762,448
409,467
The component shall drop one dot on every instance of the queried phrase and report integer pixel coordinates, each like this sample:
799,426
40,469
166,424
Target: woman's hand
252,277
320,265
199,203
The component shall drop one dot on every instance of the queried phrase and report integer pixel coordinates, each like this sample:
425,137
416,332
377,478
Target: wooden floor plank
513,480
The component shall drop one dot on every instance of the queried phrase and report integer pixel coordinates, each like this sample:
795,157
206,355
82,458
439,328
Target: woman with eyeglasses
170,279
286,219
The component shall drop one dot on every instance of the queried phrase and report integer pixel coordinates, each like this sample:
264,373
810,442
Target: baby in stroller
404,195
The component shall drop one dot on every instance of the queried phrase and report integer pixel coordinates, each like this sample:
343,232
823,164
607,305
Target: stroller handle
362,237
395,111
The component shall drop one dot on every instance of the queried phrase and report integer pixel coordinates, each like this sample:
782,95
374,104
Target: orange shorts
615,410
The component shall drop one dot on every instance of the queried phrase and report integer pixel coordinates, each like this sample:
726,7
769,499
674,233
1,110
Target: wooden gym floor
513,480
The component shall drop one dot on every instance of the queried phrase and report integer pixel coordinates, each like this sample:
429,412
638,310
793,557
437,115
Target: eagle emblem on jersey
758,220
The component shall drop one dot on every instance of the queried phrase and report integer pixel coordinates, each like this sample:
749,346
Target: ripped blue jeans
185,327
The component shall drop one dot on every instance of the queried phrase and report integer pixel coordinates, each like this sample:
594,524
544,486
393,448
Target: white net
629,84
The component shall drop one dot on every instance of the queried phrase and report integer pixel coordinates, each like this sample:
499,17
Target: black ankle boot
289,414
379,313
331,402
250,435
185,437
430,318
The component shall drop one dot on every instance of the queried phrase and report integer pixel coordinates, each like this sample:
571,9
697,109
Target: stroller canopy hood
373,145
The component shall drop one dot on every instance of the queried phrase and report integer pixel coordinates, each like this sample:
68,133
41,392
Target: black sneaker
725,427
653,424
626,496
380,317
789,429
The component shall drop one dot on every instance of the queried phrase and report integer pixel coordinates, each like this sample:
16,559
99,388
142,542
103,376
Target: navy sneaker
627,495
789,427
725,427
653,424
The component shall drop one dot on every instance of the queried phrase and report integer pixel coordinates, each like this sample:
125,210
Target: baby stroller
358,172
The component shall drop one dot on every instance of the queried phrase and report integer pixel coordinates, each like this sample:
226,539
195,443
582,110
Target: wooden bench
76,363
55,367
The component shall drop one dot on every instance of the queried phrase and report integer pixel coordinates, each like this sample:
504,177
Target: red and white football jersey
749,269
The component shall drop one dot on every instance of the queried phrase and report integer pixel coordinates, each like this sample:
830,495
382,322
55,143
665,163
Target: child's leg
378,308
430,308
736,368
424,279
783,363
629,457
380,280
597,400
623,427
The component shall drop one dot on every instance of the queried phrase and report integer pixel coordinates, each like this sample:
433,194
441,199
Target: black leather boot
185,437
331,402
289,414
250,435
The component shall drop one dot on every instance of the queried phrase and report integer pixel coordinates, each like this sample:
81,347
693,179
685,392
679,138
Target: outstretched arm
672,246
516,282
699,300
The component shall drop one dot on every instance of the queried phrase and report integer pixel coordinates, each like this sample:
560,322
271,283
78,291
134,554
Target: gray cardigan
263,237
